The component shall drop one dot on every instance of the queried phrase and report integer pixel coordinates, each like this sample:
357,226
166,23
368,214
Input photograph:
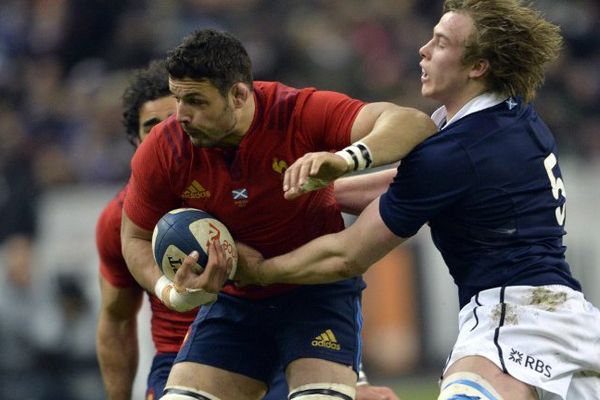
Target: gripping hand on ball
212,278
312,171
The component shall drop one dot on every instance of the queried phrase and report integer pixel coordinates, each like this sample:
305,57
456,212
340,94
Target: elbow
419,119
424,122
352,268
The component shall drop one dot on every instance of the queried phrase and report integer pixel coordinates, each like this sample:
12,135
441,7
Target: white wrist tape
162,288
362,377
357,156
181,301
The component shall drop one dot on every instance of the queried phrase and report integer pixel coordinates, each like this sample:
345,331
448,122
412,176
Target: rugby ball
183,230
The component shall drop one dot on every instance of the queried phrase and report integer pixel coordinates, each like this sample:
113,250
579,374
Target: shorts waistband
526,295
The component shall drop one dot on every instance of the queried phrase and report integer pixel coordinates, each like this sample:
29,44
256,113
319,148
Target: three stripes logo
195,191
326,339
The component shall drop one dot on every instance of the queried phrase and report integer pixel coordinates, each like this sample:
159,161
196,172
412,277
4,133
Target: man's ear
479,68
240,92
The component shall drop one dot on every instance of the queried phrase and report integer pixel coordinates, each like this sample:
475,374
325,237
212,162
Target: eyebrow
151,122
441,35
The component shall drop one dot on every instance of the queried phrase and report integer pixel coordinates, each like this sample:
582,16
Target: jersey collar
481,102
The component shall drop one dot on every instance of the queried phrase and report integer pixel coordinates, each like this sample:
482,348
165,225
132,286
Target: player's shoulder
272,93
110,216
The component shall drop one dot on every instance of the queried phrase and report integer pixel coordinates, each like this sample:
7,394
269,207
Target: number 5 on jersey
558,187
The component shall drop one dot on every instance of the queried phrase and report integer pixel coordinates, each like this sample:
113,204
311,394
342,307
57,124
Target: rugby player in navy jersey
489,186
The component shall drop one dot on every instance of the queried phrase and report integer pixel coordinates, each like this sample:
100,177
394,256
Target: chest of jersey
242,187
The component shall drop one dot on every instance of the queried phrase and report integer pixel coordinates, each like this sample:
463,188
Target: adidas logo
195,191
326,339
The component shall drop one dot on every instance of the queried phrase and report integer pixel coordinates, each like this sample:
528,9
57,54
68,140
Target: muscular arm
353,194
391,131
331,257
116,338
137,250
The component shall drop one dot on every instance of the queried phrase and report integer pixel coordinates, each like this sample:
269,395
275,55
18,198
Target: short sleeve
108,243
149,193
328,118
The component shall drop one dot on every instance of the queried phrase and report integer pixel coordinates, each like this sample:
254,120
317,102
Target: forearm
333,257
353,194
316,262
395,133
117,351
137,251
140,261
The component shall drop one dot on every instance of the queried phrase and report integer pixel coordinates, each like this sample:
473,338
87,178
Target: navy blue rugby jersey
491,190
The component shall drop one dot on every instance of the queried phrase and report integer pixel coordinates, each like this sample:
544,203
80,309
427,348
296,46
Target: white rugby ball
183,230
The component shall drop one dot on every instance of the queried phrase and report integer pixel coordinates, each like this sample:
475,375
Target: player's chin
426,90
201,142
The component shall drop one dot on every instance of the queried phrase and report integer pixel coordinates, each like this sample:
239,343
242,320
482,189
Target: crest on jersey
240,197
279,166
511,103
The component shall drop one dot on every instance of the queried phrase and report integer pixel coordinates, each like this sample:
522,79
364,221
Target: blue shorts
258,338
161,366
159,372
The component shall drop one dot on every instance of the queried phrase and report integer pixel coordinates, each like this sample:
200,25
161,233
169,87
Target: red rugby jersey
168,327
242,186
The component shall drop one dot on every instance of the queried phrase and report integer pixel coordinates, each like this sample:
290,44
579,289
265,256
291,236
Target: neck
454,104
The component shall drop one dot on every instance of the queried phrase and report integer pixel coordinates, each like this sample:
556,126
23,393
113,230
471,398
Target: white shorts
547,337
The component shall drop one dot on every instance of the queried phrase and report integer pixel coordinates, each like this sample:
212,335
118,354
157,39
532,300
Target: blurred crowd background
64,65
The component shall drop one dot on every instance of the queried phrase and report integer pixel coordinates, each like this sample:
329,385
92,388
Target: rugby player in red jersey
226,152
148,101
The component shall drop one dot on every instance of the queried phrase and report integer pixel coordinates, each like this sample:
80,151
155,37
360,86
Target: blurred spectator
18,213
62,63
56,57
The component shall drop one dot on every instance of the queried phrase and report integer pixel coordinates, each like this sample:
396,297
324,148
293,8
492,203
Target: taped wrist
357,156
162,289
181,301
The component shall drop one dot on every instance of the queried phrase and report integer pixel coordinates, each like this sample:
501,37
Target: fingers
311,172
297,174
217,268
212,277
184,277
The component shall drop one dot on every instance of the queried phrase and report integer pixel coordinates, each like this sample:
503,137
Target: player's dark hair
146,84
210,55
516,40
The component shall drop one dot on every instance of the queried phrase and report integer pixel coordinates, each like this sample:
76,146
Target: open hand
312,171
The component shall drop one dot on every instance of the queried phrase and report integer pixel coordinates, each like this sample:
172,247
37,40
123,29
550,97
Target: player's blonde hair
516,40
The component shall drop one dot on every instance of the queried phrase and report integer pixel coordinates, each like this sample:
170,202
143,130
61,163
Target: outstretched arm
329,258
387,132
354,193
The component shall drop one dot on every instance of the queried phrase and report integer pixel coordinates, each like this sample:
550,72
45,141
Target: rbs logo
530,362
